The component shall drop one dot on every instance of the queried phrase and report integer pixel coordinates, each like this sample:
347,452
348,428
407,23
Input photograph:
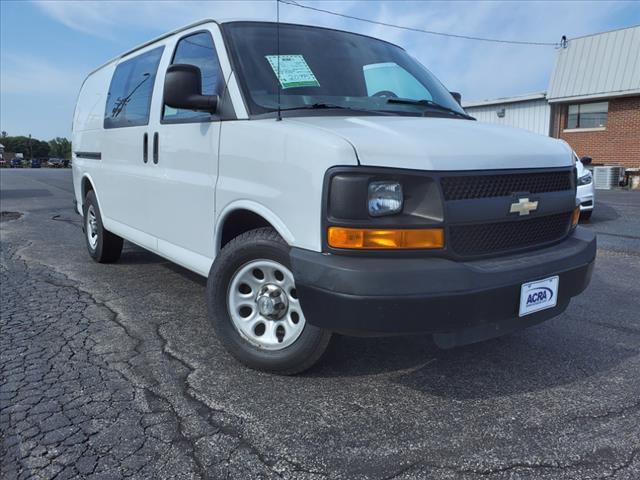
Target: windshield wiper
429,103
322,105
317,106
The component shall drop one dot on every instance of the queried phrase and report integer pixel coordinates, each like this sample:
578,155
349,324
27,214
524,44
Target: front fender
275,221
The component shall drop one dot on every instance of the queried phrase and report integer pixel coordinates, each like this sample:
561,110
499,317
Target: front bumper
586,197
462,302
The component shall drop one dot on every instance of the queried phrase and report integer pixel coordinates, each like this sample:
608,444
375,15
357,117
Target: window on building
197,50
130,91
588,115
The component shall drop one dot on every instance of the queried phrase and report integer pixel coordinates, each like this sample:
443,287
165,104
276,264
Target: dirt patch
6,216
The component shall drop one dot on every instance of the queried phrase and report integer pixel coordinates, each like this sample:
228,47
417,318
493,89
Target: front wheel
254,307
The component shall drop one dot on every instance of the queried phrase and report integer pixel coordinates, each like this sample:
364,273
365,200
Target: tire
103,246
283,344
586,216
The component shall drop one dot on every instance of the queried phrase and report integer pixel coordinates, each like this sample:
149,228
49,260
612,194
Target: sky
47,47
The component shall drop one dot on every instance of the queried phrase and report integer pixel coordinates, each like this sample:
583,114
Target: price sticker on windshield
292,71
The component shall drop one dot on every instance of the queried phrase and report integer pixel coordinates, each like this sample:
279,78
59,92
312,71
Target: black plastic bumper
461,301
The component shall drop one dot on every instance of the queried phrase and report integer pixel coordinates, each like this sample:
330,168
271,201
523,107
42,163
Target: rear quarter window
89,111
131,89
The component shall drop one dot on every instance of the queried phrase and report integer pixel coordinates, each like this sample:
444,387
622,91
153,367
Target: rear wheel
586,215
254,307
103,246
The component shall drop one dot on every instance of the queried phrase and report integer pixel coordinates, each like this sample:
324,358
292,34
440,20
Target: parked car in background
35,163
16,163
65,163
585,191
56,163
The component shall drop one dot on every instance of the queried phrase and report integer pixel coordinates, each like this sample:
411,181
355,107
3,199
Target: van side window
130,91
198,50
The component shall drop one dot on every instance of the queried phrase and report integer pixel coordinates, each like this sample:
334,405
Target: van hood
431,143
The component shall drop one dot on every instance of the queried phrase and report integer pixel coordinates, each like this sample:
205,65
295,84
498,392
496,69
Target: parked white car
585,190
328,183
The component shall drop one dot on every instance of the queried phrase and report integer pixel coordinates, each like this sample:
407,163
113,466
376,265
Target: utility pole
30,149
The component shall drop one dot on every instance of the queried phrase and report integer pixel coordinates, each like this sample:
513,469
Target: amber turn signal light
575,217
374,239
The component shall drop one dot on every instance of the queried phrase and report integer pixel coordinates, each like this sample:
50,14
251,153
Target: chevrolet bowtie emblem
523,206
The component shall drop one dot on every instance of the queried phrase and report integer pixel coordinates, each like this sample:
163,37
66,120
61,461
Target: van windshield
319,68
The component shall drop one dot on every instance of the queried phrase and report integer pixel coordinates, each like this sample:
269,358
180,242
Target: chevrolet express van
324,183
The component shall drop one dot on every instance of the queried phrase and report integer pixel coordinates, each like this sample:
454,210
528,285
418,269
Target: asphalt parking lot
111,371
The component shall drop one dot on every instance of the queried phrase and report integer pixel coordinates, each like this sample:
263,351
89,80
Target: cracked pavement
112,371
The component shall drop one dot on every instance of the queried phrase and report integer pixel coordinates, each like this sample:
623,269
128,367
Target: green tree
16,144
40,148
60,147
26,146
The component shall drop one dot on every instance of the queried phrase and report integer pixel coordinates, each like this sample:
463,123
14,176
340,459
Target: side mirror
586,160
183,89
457,96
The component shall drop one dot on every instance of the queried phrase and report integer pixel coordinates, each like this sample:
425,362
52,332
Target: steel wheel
91,227
263,305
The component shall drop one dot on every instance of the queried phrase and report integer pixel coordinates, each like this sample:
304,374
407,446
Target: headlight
585,179
369,208
385,198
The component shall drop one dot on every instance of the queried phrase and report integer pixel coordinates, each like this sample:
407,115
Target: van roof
218,22
151,42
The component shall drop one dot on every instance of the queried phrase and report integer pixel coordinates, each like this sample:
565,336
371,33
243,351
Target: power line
294,3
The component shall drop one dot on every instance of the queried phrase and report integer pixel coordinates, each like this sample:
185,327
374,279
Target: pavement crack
624,465
70,221
233,431
633,407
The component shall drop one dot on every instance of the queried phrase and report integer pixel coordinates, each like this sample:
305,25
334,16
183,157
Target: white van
324,183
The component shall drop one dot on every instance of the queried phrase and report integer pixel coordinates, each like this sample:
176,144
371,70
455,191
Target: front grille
486,238
466,187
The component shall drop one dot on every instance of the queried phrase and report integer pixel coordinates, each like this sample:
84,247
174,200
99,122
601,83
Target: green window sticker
293,71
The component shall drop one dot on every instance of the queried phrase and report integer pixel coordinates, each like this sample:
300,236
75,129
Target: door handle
145,148
155,148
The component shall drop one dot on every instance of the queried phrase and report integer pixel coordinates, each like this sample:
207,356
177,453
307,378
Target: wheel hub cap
272,302
92,227
263,304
